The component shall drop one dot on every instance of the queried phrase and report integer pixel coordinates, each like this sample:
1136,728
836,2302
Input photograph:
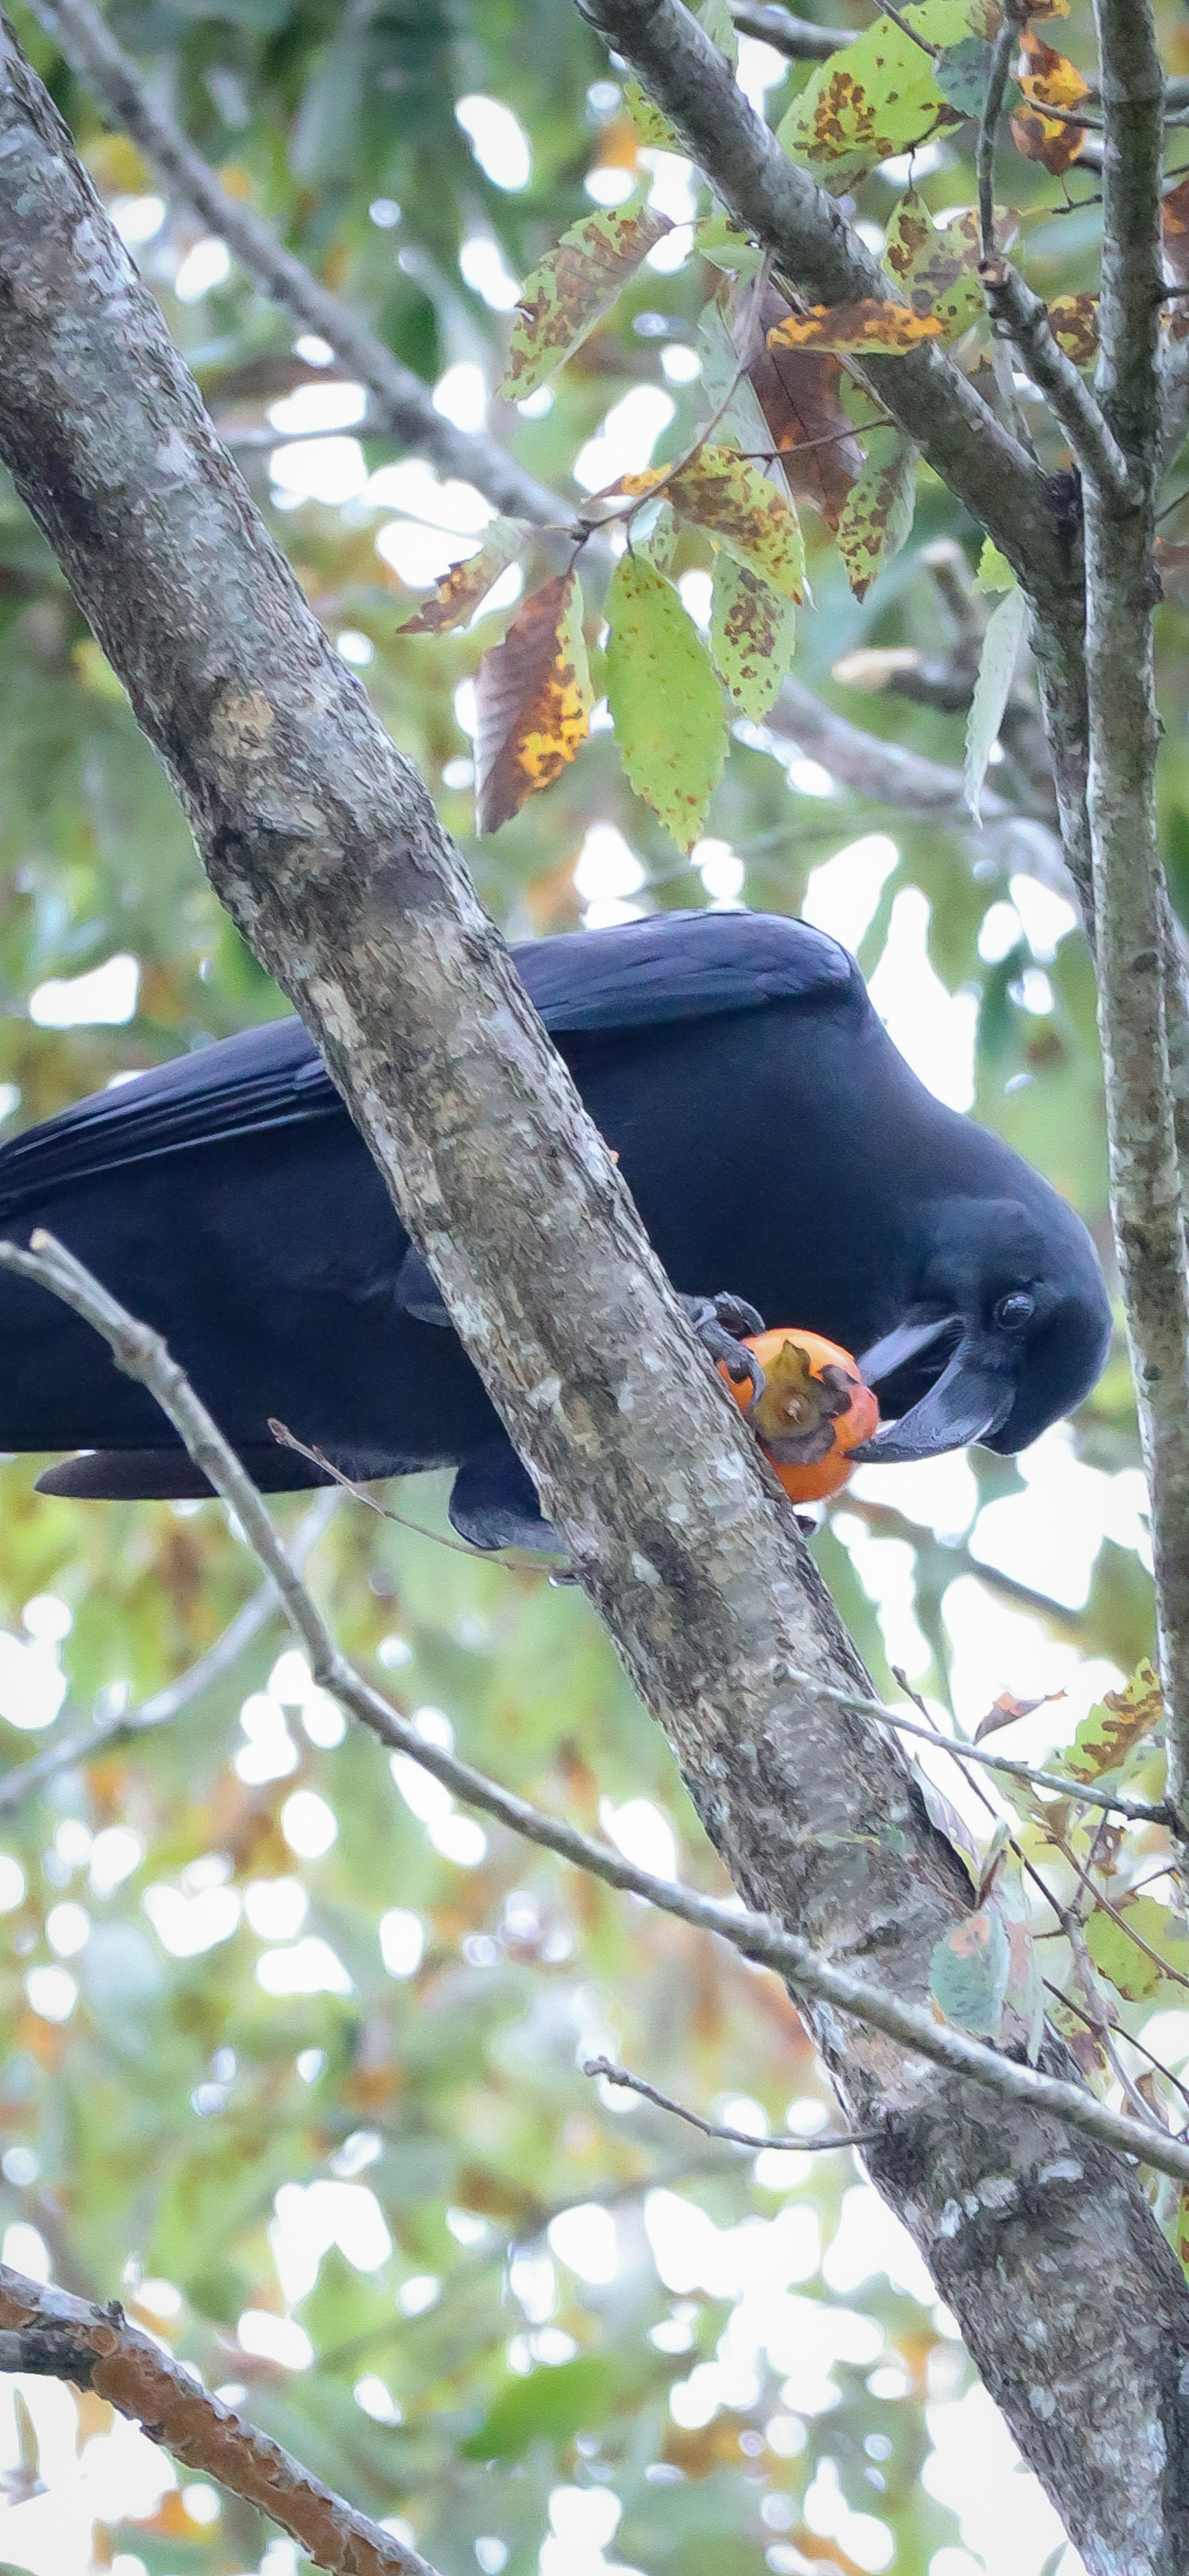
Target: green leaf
877,514
994,571
936,265
1110,1731
753,518
664,698
1001,645
655,132
970,1971
752,636
1131,1971
874,100
573,288
574,2397
962,72
720,241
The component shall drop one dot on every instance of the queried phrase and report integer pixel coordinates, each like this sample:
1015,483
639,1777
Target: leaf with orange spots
460,591
534,700
1050,81
797,392
752,636
664,698
1073,320
878,516
877,98
869,327
724,492
575,285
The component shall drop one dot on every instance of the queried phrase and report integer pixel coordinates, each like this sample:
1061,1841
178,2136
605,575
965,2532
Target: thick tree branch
825,260
323,845
84,1742
60,2337
143,1355
400,402
1129,898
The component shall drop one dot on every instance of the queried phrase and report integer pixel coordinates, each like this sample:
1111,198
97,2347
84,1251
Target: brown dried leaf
1073,320
459,592
797,391
1050,81
533,702
869,325
1005,1710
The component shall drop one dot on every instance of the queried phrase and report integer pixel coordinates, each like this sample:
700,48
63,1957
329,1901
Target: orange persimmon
814,1409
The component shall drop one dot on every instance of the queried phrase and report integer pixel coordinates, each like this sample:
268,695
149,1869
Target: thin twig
1005,45
219,1659
403,404
714,2129
799,38
1084,1792
1023,318
142,1354
50,2332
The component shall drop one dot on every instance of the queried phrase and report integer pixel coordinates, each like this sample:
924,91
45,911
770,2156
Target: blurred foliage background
293,2048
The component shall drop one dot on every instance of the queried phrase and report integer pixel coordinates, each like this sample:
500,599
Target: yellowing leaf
877,98
533,702
573,288
969,1973
1130,1968
459,592
653,129
664,698
752,636
755,521
1073,320
878,514
869,326
1112,1729
994,571
1050,81
935,265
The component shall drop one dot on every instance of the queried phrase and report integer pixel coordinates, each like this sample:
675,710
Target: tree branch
60,2337
322,843
1023,318
813,2146
796,37
926,395
167,1703
142,1354
400,402
1129,897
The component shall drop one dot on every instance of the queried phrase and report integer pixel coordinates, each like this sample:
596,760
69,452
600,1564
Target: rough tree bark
322,843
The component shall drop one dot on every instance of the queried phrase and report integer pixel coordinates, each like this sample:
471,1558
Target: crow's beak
972,1396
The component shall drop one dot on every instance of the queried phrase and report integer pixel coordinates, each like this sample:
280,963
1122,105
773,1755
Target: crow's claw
720,1324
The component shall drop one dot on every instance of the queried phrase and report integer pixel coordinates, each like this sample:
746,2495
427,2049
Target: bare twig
401,403
1004,47
1113,1802
60,2337
142,1354
1022,317
799,38
714,2129
219,1659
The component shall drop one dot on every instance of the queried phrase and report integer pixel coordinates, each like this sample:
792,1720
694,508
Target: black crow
776,1144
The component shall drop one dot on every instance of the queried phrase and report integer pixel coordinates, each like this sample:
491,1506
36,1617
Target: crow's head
1006,1331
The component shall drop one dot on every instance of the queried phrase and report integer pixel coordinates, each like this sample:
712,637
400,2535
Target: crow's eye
1015,1311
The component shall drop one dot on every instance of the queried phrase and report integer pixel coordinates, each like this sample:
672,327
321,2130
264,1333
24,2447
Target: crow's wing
639,975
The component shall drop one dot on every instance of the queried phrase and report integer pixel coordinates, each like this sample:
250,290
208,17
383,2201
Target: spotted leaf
1174,215
797,391
1123,1950
877,98
726,493
460,591
664,698
534,701
1050,81
878,515
1114,1727
1073,320
752,635
575,285
936,265
871,327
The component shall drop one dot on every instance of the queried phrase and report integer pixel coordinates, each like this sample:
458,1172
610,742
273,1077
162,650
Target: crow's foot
720,1324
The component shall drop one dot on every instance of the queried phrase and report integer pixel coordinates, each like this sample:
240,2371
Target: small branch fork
142,1354
49,2332
1022,317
